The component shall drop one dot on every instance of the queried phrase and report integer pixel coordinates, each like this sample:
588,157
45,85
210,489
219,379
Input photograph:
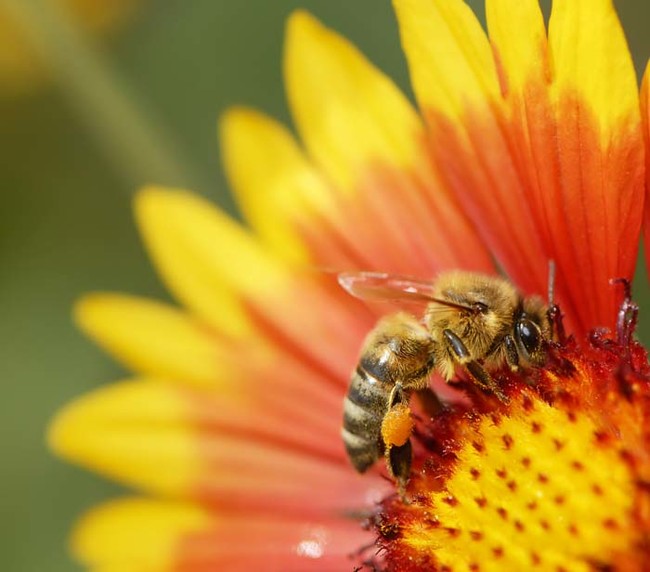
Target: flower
22,69
528,147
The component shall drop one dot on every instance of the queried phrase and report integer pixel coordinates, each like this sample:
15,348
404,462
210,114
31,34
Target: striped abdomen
364,409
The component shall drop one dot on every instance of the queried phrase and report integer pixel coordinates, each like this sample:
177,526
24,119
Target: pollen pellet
397,425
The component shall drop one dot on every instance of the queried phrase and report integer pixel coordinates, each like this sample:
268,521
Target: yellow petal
348,113
125,430
591,58
136,534
518,35
152,338
208,261
449,56
272,179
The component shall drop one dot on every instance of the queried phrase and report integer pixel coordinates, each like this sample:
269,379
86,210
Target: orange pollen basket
556,479
397,425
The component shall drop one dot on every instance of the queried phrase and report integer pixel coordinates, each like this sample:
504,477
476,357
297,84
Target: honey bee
476,322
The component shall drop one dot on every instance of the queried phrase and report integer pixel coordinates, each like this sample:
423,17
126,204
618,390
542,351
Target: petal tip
86,309
235,114
123,429
150,195
302,31
157,207
61,430
646,71
300,20
236,120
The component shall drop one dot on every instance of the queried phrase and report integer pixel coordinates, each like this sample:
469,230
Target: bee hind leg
398,461
396,429
462,355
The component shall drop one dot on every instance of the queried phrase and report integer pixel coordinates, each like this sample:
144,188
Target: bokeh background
125,100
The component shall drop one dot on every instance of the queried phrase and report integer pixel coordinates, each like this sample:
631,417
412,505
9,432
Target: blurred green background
66,224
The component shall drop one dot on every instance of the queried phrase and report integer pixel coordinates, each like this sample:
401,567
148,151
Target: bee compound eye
529,335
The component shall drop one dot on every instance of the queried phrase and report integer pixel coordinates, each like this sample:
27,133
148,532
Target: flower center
553,480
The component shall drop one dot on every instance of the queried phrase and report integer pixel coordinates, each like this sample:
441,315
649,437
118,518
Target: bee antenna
551,282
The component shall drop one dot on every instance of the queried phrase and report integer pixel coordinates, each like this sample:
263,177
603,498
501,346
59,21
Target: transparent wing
383,287
387,287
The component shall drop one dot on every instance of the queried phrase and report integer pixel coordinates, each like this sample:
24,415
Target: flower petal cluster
528,146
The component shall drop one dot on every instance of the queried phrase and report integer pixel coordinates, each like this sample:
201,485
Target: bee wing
381,286
384,287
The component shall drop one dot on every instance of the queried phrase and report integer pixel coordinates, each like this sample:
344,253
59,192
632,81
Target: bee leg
512,355
474,368
398,461
485,380
395,432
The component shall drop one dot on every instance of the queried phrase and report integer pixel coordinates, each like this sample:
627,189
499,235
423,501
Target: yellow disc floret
557,479
528,490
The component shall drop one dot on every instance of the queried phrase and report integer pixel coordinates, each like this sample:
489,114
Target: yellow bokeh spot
534,487
22,69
